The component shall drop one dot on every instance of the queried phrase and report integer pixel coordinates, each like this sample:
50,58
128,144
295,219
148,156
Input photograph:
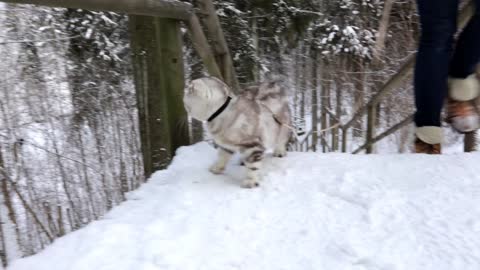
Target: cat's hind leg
223,157
253,157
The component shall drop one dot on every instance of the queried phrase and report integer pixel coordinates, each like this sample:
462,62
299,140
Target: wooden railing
304,144
371,106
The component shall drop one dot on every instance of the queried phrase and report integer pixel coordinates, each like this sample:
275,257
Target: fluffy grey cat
249,123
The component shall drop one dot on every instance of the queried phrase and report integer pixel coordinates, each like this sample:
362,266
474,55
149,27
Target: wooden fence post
470,142
344,139
370,127
159,80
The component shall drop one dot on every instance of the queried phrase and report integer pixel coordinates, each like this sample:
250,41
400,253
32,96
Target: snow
312,211
88,35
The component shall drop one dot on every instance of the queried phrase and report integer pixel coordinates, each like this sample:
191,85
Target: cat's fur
254,121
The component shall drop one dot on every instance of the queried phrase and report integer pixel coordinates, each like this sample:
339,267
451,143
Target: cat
249,123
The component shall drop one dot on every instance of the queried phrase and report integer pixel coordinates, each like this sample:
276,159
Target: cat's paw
250,183
280,153
216,169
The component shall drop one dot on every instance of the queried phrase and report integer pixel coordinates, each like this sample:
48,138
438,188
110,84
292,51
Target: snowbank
312,211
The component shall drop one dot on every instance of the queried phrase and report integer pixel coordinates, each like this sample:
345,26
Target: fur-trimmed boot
428,140
462,112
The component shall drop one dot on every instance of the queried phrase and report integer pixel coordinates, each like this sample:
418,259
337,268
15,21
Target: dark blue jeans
437,60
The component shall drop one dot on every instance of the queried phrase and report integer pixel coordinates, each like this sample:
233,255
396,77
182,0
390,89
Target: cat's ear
199,87
227,90
223,86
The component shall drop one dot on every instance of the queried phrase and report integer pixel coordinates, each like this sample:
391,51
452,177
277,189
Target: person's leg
464,85
438,26
467,51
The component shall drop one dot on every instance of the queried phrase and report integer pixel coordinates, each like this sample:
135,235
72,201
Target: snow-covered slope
312,212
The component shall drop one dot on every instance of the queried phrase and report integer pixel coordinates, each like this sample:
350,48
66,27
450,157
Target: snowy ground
313,211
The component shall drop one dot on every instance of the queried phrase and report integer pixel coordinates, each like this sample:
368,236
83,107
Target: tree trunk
358,96
7,199
314,101
5,194
60,222
3,246
382,30
338,113
91,204
324,104
256,68
99,145
303,84
328,107
27,207
298,78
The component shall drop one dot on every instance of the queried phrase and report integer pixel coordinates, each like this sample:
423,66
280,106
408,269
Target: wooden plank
202,47
370,128
219,44
158,8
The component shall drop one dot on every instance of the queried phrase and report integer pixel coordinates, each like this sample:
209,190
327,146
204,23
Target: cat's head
204,96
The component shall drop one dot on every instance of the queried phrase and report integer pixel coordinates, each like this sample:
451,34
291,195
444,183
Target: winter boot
462,112
428,140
